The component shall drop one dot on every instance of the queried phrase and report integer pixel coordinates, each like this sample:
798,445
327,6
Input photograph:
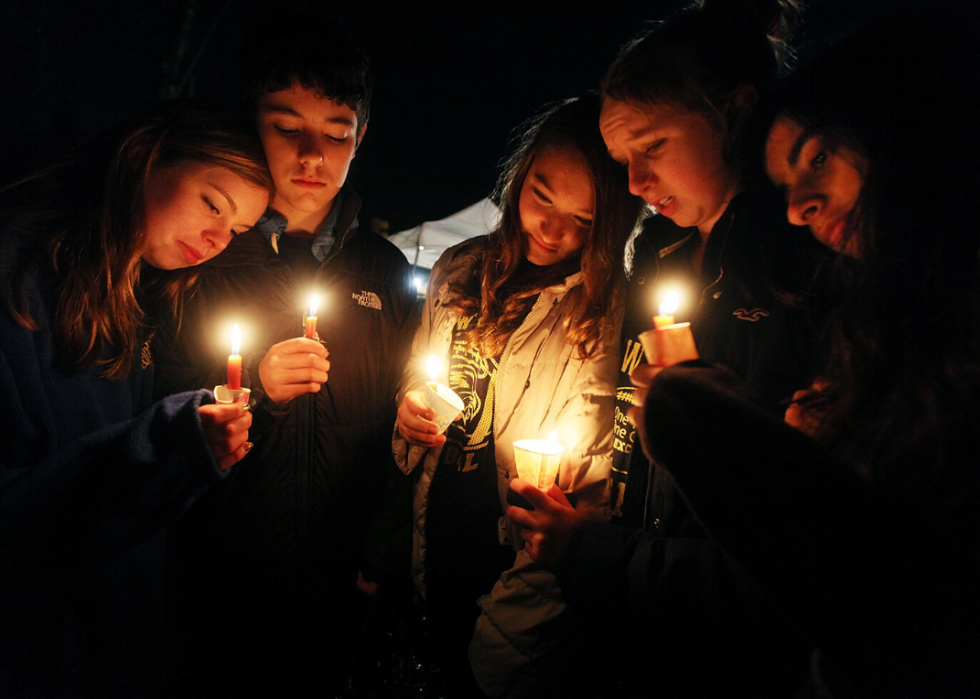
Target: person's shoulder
377,244
464,255
370,254
250,249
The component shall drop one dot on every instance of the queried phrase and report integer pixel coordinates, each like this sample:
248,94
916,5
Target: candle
310,320
538,460
665,314
446,404
668,343
235,360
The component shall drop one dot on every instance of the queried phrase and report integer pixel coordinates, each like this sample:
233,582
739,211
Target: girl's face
556,206
822,184
193,210
675,159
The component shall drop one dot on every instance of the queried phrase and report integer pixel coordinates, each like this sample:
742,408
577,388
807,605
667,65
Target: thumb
558,495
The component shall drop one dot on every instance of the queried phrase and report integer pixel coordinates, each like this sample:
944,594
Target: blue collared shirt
273,224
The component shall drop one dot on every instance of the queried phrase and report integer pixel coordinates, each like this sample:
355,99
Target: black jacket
754,309
883,578
289,523
758,307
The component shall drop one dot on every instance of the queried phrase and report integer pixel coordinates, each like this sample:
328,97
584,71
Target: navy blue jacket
289,527
90,476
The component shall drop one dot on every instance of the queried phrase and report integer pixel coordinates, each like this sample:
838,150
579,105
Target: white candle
538,460
446,404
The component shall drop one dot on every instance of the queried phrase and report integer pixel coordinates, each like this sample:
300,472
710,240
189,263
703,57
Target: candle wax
662,321
234,371
310,328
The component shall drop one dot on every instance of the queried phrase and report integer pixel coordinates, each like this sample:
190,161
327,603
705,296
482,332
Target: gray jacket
541,386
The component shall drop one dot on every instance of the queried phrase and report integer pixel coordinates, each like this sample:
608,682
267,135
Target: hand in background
367,587
546,529
415,422
226,431
802,415
292,368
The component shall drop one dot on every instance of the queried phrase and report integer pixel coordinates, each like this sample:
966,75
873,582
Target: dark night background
451,80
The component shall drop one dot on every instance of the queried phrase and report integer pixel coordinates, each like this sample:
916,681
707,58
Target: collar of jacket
253,247
466,258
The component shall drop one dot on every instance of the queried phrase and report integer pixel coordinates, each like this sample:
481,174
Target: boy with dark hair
283,537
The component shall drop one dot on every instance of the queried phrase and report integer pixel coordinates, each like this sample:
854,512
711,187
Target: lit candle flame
432,366
670,303
236,339
553,437
313,304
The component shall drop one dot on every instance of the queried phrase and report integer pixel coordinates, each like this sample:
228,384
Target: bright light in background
418,284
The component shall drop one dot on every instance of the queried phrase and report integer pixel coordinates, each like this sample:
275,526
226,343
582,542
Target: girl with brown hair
91,472
524,322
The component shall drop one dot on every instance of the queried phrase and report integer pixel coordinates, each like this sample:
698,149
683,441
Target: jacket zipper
496,396
721,266
307,442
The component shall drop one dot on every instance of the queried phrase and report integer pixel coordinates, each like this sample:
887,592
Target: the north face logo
752,315
368,299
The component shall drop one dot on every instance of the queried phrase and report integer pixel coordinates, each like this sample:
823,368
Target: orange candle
235,360
665,314
311,320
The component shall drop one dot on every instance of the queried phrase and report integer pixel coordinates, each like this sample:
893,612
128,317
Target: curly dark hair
312,49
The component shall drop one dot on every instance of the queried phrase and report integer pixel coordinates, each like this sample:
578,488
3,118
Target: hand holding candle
424,415
547,524
443,400
668,343
294,367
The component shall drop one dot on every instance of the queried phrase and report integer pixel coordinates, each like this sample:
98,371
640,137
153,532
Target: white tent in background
424,244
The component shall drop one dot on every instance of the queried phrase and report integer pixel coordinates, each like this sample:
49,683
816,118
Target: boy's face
309,142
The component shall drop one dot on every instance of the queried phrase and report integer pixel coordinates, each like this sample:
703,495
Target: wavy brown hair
490,293
89,218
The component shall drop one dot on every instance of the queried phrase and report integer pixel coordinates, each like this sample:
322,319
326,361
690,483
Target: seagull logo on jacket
752,315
